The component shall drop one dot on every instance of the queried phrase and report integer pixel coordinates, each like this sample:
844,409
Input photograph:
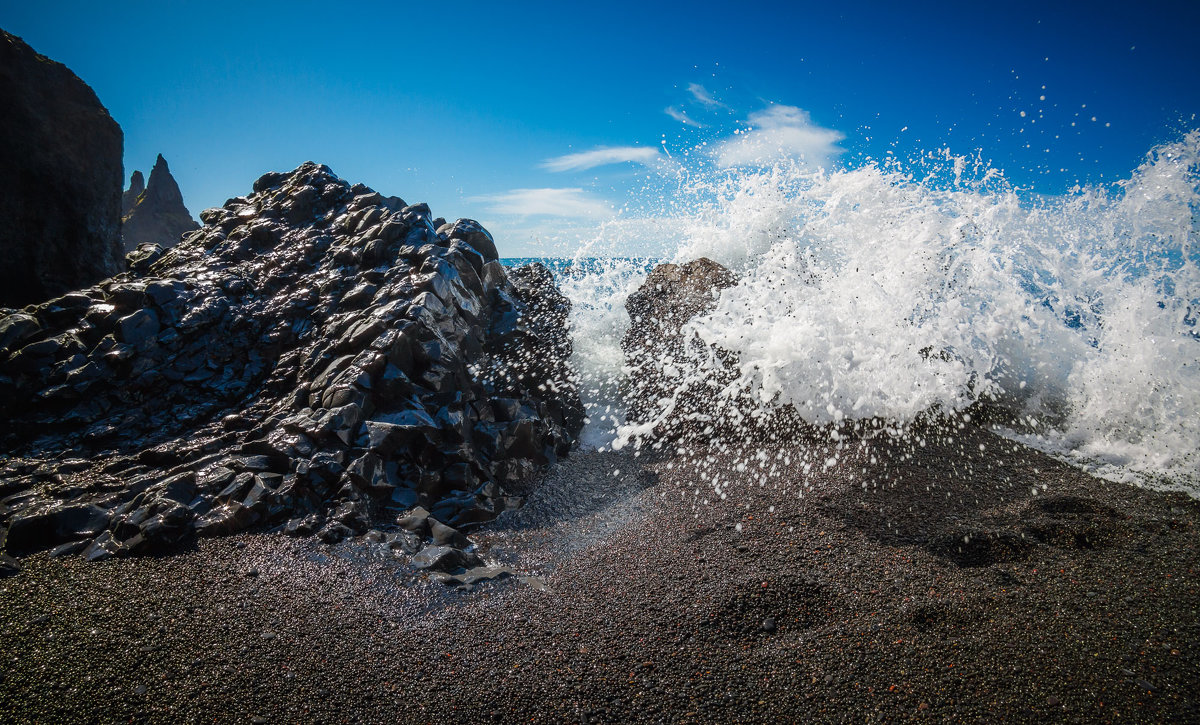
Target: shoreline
951,593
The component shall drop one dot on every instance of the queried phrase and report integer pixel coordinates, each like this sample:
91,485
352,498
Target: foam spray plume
874,299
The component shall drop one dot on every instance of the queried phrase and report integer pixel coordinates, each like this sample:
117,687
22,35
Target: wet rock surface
153,212
657,347
60,179
318,359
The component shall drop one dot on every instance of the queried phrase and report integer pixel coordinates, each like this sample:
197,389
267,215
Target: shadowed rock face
155,214
317,358
137,184
60,179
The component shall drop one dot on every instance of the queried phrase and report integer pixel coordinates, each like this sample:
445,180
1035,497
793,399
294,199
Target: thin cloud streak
780,132
564,202
701,94
602,156
682,117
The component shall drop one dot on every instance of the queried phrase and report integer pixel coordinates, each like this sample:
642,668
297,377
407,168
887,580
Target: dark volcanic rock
156,214
60,179
683,390
656,346
317,358
473,233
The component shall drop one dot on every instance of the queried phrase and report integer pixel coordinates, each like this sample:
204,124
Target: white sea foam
884,292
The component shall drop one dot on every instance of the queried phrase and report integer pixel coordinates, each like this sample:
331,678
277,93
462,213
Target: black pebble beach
930,598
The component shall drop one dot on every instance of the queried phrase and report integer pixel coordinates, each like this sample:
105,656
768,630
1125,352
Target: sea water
895,292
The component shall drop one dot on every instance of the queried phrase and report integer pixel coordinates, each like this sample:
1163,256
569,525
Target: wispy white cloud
682,117
780,132
568,202
619,236
602,156
701,94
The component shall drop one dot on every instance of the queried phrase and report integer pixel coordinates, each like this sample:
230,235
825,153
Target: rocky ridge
154,213
60,179
318,358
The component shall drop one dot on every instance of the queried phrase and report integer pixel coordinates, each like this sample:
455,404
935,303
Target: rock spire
155,215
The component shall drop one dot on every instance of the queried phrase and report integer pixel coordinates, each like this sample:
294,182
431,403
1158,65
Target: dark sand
953,595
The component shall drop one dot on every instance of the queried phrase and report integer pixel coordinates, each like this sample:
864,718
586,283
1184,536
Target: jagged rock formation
317,358
60,179
155,214
137,184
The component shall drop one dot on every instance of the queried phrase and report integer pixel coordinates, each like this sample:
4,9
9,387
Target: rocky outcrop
155,214
660,354
317,359
60,179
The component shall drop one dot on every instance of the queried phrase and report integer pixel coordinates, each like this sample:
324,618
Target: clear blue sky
462,104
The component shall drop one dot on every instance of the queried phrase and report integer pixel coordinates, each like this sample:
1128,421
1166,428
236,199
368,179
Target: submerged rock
316,359
60,179
154,214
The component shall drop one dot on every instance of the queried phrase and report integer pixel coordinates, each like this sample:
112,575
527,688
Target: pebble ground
943,590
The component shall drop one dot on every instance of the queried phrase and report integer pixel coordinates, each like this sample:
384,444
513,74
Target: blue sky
505,112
